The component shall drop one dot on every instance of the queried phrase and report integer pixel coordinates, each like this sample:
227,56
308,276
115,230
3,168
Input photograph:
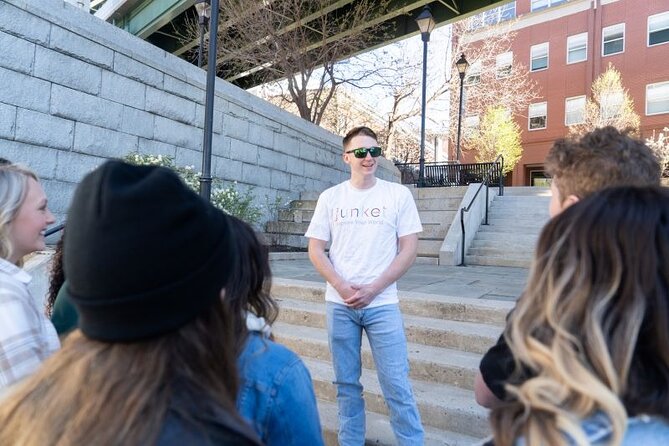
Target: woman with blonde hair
590,334
153,361
26,336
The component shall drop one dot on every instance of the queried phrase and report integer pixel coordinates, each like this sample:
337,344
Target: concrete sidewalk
470,282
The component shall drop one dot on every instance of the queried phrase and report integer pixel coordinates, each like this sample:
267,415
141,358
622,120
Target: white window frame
471,124
539,107
567,111
570,39
539,47
613,29
499,67
473,72
663,97
657,17
545,4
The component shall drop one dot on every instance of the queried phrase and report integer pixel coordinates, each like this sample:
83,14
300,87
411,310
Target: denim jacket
276,394
641,430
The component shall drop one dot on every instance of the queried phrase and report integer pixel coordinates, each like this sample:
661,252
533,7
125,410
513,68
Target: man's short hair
604,157
362,130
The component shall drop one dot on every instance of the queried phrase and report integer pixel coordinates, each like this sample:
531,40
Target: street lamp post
205,178
426,24
203,9
462,66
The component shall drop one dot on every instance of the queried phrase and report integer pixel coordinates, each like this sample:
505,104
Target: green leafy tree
609,104
497,134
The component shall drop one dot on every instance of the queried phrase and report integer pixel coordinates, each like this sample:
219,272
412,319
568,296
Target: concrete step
527,191
418,304
503,237
379,432
497,251
497,261
519,227
308,205
286,227
429,247
441,406
513,244
297,241
438,192
433,231
432,260
296,215
442,217
436,204
427,363
464,336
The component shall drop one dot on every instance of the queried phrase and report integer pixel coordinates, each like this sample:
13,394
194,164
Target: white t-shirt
364,226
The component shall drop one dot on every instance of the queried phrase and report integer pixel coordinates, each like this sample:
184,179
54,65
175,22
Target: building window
536,5
613,39
471,125
493,16
539,57
577,48
610,104
574,112
658,29
538,116
503,64
473,74
657,98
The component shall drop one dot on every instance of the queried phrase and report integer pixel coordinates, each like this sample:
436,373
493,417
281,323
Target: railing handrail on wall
446,174
499,162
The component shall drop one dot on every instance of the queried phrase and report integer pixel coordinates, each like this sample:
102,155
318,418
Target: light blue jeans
385,332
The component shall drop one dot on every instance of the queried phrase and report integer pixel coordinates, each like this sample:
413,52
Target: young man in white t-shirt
373,226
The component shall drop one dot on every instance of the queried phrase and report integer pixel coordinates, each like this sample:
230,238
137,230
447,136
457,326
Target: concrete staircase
515,221
446,336
437,208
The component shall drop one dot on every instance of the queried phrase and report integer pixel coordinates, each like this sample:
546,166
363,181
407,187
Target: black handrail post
462,245
486,203
501,176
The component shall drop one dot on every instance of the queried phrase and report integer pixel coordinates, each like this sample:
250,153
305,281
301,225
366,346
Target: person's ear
571,199
345,157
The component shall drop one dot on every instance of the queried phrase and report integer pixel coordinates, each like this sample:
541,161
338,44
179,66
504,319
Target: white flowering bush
659,144
228,199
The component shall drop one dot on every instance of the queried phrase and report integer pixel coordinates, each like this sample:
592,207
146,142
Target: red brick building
566,45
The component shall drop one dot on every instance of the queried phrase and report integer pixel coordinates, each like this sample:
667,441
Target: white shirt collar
18,273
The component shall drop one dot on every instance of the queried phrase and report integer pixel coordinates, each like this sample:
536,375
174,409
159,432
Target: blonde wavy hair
590,334
13,190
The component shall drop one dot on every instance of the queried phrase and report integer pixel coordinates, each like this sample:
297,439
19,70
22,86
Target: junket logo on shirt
359,215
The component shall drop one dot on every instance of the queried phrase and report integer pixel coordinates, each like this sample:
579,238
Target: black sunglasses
361,152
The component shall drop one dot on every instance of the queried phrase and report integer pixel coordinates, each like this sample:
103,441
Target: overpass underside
162,22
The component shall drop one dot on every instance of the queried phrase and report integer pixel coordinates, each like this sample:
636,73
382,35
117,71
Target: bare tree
609,104
495,77
294,41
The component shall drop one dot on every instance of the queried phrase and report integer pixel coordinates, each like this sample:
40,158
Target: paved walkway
472,282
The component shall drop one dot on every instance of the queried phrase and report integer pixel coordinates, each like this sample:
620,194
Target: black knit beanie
144,254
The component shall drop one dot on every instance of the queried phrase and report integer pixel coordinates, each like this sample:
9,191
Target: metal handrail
54,229
486,180
442,173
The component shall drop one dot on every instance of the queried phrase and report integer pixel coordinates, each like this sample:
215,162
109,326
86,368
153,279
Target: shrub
228,199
